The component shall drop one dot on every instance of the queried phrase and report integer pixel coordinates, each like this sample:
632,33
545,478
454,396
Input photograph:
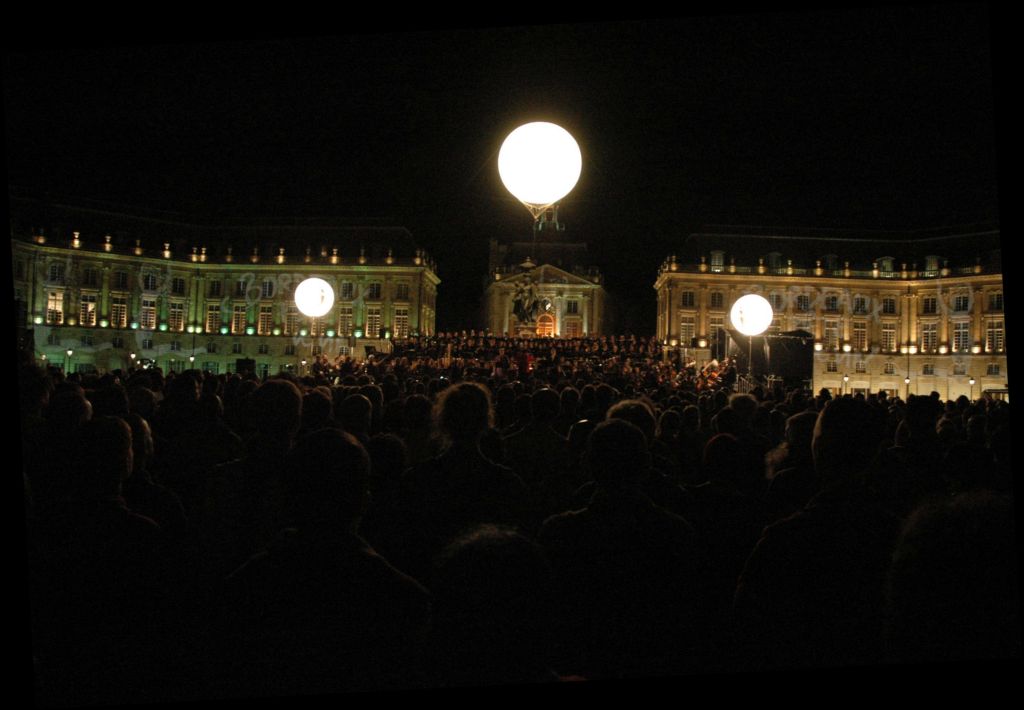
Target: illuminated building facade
927,306
178,295
571,298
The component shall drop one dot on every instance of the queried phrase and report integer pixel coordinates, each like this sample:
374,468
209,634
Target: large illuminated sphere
751,314
314,297
539,163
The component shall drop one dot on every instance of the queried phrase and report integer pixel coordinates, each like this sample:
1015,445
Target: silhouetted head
277,409
544,405
103,457
331,478
617,454
463,412
355,414
636,412
847,437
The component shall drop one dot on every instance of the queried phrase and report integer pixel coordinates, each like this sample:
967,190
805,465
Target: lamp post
314,297
539,163
131,356
67,367
906,381
971,383
846,381
751,315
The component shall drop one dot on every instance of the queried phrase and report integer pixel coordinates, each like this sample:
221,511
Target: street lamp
971,382
751,315
539,163
846,381
67,367
906,381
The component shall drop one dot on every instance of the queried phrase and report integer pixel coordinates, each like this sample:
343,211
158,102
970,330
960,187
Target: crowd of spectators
427,520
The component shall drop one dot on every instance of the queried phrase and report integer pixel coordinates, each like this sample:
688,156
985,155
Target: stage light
539,163
751,314
314,297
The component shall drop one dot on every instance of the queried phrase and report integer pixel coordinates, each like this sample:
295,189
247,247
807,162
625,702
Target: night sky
878,118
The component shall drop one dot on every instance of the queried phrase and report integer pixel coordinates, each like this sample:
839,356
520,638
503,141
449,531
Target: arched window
546,326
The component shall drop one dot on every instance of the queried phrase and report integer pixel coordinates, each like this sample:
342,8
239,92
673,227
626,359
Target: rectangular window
373,291
176,317
686,299
267,289
994,336
87,313
149,281
57,273
263,349
890,368
831,335
118,312
86,341
995,301
289,349
176,365
53,338
687,330
117,342
832,366
889,306
346,291
345,321
147,314
211,347
573,328
928,369
211,367
241,287
317,326
121,280
860,305
572,307
402,292
178,286
959,368
831,303
717,299
777,302
175,346
993,369
860,336
961,303
929,337
265,324
90,277
803,302
291,321
213,320
372,321
401,323
961,337
147,343
888,337
215,289
236,348
929,305
860,367
238,318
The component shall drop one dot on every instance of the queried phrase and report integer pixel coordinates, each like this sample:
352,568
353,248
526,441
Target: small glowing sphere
942,349
817,347
847,347
912,350
314,297
751,314
539,163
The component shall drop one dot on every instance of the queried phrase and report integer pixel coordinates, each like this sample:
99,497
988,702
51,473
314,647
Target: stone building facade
883,309
112,289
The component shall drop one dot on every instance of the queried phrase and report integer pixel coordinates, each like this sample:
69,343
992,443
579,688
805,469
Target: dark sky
856,118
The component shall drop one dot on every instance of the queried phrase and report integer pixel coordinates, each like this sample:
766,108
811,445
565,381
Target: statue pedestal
525,330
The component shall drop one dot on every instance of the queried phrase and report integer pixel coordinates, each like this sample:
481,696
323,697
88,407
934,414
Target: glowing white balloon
314,297
539,163
751,314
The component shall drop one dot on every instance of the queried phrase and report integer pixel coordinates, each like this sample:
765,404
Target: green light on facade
223,330
359,333
277,331
303,333
104,323
135,326
38,320
330,333
163,327
249,330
